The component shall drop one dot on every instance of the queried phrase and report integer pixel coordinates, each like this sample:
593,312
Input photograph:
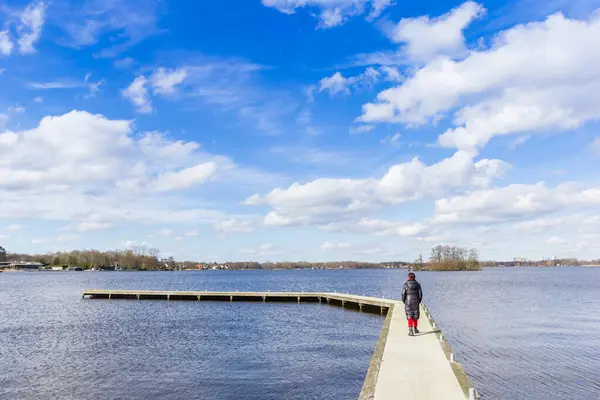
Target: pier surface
402,367
415,367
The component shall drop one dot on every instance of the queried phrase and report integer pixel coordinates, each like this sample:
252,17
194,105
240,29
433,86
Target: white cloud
95,173
520,140
391,139
331,17
424,38
542,224
64,238
55,135
427,38
515,202
332,13
124,23
392,228
186,177
264,250
536,77
595,220
229,86
232,225
266,247
524,110
59,84
391,74
163,80
335,84
327,200
93,225
382,58
415,179
335,246
338,84
6,45
137,93
130,244
378,6
315,201
367,79
556,241
315,156
14,227
30,28
379,227
38,99
362,128
124,63
93,87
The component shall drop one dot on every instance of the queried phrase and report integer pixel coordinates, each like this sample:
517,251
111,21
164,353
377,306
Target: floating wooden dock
362,303
422,367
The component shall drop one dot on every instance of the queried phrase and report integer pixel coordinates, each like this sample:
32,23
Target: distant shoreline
296,269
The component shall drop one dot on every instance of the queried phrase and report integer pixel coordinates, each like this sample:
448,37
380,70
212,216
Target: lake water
521,334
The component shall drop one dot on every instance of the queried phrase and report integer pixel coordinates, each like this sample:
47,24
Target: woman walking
411,297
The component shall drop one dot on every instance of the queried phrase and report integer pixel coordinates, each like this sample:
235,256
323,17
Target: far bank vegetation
147,258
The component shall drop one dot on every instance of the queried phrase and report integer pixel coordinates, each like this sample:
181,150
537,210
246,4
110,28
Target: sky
222,130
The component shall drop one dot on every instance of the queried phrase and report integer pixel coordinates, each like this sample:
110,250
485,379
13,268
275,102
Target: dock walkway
415,367
402,367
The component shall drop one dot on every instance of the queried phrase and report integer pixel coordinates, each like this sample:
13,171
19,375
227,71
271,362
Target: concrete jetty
413,367
422,367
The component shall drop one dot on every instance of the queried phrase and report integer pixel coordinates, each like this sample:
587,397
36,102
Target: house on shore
29,265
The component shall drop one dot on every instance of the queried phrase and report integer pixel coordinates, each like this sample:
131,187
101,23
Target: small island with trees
449,258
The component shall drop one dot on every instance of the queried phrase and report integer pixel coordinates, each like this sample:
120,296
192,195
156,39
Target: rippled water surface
521,333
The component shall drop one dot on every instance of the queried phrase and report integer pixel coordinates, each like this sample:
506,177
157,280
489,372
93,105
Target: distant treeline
140,257
571,262
146,258
331,265
442,258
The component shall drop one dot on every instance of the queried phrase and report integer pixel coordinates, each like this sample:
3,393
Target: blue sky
301,129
